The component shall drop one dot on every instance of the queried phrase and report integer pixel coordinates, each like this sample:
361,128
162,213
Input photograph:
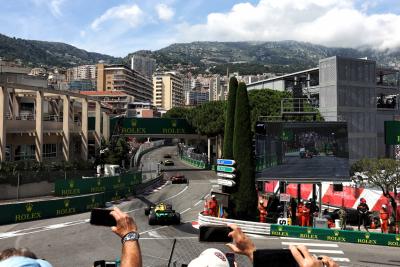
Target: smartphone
231,258
104,263
274,258
215,233
102,217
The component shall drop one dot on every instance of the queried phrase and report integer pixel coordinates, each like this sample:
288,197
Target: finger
114,229
296,255
329,261
233,247
115,215
233,226
117,210
303,249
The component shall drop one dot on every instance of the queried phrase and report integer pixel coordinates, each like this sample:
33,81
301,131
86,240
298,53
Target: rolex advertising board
367,238
148,126
36,210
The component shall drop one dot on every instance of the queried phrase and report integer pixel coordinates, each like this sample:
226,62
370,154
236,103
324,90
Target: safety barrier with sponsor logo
196,163
368,238
113,185
246,226
36,210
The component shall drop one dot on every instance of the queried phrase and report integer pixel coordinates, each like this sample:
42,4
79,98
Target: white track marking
310,244
340,259
326,251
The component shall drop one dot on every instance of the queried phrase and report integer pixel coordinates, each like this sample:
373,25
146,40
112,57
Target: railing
246,226
144,148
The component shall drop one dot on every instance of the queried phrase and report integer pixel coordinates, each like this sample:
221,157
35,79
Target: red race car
178,179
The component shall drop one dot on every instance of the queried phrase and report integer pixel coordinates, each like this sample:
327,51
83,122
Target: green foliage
245,197
179,113
119,153
209,118
37,53
230,119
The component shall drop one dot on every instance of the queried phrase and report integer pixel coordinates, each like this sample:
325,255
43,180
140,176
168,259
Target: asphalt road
72,241
324,167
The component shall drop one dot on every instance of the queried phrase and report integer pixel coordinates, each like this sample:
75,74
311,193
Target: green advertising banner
153,126
36,210
368,238
392,132
97,185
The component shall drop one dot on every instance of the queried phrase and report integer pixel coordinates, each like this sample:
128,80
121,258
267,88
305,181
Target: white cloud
164,12
132,15
328,22
53,5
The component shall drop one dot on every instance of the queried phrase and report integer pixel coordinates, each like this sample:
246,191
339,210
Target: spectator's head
24,252
384,206
261,201
19,261
362,200
210,258
213,196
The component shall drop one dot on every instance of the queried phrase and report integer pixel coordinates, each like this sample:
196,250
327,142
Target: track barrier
346,236
196,163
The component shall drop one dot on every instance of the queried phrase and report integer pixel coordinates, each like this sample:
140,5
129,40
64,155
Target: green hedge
36,210
368,238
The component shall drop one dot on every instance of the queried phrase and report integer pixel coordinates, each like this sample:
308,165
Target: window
49,151
23,152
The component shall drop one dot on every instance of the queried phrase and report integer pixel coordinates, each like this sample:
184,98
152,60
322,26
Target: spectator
343,218
126,229
210,258
22,257
213,206
363,211
243,245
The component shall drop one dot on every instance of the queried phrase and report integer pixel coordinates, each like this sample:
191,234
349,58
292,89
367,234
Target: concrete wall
8,192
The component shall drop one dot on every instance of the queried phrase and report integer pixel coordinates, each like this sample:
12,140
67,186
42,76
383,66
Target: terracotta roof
94,93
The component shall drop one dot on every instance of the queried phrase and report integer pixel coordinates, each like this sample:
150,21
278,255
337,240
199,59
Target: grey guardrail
246,226
141,187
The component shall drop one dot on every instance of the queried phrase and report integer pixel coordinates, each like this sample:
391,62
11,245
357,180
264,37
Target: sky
119,27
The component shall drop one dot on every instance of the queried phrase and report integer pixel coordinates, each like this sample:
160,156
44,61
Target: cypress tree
244,198
230,119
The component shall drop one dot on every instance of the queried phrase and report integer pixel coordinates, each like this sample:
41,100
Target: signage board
225,169
284,221
392,132
284,197
226,175
228,162
224,182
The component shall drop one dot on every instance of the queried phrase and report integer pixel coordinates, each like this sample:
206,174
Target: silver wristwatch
130,236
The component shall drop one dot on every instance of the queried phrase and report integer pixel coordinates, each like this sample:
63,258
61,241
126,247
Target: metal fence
187,151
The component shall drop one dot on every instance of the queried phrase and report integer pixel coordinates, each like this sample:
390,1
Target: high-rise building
84,72
217,89
144,65
195,98
122,78
168,90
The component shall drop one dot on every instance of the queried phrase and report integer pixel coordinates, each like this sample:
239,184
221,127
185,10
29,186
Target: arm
241,243
131,255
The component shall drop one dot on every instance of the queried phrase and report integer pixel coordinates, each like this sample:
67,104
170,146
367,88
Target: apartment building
122,78
168,90
144,65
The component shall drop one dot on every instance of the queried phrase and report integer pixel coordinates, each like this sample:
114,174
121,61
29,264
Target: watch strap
130,236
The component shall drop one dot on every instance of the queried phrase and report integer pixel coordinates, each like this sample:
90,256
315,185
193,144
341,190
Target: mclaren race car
168,162
178,179
162,213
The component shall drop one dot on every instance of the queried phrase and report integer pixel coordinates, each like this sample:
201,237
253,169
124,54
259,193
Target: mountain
37,53
257,57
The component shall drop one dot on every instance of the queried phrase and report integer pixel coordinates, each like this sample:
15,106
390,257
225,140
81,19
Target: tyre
176,219
146,211
152,219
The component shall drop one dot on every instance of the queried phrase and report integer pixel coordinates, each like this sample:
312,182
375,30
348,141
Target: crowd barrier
196,163
368,238
36,210
110,185
246,226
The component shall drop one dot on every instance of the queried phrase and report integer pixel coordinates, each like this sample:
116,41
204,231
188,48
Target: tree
230,119
383,173
244,197
209,118
179,113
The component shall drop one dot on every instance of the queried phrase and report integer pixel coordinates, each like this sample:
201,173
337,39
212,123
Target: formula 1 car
168,162
178,179
162,213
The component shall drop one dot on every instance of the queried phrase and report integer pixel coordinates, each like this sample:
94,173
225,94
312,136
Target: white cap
212,195
261,201
384,206
210,258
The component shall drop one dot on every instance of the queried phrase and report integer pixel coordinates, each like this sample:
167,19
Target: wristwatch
130,236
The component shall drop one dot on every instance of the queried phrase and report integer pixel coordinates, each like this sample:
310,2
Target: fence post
18,183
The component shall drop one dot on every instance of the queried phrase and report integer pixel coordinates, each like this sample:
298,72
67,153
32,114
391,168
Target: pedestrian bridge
152,127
